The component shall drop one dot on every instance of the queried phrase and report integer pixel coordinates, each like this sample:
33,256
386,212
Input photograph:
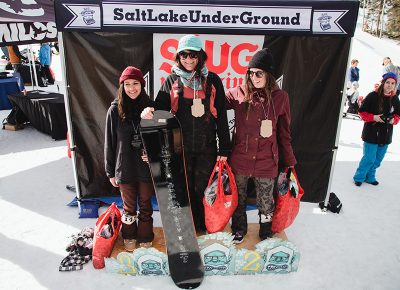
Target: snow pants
371,160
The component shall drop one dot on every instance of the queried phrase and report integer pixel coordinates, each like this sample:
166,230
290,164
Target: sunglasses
184,54
258,74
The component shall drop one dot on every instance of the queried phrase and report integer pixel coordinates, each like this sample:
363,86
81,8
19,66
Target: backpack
16,117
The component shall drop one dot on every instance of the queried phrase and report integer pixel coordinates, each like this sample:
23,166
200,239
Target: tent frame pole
335,148
68,115
32,68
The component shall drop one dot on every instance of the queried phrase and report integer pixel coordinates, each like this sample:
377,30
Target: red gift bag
287,205
220,197
105,234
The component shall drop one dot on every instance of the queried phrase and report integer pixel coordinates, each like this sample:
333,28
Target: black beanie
264,60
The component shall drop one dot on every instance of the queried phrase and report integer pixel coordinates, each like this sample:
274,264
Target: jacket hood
114,103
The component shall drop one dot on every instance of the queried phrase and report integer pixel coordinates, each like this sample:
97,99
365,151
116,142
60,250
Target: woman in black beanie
262,133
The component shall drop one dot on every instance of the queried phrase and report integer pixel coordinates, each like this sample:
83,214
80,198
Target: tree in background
393,22
381,17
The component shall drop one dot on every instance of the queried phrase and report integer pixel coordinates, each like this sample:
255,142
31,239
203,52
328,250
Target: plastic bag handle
213,172
289,172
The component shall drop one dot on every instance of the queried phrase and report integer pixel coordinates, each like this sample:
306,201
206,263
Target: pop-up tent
25,22
310,41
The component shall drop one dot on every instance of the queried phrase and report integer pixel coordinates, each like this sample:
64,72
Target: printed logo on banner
84,16
21,7
87,15
328,21
27,31
228,56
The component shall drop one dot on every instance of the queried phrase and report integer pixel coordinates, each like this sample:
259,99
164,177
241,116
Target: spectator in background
15,57
56,50
388,66
5,52
380,110
45,61
352,97
354,71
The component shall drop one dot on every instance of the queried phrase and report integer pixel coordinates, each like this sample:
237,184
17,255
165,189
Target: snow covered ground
355,249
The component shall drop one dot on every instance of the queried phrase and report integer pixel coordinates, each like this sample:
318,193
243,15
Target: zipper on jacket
247,142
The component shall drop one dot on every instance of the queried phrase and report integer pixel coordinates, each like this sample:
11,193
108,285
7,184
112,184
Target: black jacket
374,132
163,102
122,161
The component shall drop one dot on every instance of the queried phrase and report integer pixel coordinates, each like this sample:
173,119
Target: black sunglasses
184,54
259,73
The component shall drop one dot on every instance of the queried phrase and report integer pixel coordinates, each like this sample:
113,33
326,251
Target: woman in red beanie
197,97
125,165
262,133
380,110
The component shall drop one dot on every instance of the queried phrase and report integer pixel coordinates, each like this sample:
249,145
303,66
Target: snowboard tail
162,140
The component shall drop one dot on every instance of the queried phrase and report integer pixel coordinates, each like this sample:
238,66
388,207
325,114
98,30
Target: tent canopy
310,41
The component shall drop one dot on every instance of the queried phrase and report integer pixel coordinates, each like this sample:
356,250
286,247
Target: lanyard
135,128
270,101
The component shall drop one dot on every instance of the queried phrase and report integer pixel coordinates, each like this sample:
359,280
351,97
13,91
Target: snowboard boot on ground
146,245
130,245
265,231
265,227
238,238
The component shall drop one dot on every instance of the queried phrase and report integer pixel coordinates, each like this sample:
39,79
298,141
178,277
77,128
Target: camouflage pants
264,198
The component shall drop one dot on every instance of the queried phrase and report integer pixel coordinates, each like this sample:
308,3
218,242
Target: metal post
68,114
335,148
32,67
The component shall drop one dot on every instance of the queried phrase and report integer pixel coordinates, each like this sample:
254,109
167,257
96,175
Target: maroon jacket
253,155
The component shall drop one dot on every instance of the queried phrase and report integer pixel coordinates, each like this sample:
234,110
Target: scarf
189,79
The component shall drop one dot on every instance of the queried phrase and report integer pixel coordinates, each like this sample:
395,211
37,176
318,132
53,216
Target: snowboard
162,140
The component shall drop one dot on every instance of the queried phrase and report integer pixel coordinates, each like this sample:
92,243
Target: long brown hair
123,108
267,90
202,57
381,95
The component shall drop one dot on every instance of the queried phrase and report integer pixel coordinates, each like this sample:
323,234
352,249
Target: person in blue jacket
45,61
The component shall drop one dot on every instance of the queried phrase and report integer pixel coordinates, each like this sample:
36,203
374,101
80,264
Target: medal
266,128
136,142
197,108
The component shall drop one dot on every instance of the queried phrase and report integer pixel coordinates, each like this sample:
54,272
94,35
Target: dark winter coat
168,100
375,132
122,161
354,74
253,155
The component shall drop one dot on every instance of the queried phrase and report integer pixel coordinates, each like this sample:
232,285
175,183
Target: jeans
138,193
371,160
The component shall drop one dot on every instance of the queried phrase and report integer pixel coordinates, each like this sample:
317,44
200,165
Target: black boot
265,231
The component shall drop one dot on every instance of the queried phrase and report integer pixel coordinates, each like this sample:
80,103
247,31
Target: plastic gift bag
220,197
287,200
105,234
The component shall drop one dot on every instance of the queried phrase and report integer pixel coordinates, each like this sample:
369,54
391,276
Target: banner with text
301,17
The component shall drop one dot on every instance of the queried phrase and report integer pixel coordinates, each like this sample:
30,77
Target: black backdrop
313,68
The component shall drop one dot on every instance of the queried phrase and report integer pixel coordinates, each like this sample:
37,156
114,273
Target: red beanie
132,72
